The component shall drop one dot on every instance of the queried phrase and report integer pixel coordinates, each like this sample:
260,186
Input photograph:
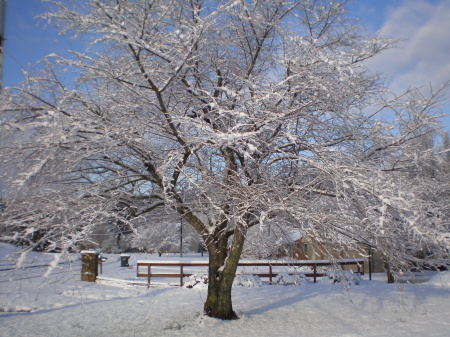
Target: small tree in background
234,114
161,232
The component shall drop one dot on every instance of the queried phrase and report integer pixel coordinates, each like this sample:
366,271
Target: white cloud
423,56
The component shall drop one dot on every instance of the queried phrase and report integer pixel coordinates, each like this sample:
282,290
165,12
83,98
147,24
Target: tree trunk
218,303
223,262
390,276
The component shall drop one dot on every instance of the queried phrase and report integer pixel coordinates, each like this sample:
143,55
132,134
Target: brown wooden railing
144,268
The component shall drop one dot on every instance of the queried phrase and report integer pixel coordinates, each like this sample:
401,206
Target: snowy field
62,305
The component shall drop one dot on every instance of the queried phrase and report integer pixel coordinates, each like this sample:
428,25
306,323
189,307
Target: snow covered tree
161,232
235,114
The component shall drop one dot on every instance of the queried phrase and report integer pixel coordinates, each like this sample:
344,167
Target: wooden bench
144,268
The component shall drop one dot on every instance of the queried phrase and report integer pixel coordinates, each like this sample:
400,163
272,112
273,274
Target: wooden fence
144,268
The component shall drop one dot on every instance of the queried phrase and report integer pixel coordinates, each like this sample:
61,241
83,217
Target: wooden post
270,274
89,265
149,275
181,275
315,273
100,262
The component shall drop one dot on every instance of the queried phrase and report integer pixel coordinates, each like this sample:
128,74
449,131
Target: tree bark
218,303
223,262
390,276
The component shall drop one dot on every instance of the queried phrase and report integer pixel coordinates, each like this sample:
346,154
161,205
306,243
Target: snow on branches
236,115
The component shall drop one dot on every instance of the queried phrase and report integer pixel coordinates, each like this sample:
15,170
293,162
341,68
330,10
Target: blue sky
422,59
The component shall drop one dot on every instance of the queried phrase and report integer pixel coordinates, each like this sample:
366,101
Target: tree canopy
233,114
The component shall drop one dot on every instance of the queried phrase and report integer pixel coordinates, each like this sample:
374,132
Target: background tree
164,234
235,114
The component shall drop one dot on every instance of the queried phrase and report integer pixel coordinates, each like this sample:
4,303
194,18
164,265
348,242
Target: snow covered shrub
247,280
196,281
287,279
345,277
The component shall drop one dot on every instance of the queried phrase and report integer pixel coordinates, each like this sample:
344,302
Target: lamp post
370,262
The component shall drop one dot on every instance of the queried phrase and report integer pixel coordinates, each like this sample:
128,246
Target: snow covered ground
62,305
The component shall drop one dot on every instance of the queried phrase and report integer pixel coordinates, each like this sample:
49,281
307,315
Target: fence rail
144,268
